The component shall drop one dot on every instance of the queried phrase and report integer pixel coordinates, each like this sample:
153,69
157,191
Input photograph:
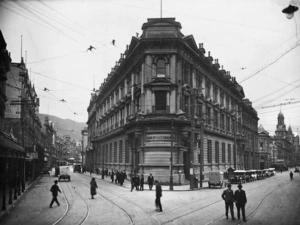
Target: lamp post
171,159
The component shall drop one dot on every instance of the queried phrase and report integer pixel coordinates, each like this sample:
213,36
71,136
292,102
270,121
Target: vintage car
238,177
271,171
253,175
260,174
64,173
296,170
216,179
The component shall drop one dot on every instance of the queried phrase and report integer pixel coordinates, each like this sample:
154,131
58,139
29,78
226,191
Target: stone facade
164,100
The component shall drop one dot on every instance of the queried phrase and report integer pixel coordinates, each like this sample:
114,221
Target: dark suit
158,191
228,197
241,200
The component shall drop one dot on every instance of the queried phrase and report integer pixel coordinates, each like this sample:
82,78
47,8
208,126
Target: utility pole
234,146
171,159
201,151
192,144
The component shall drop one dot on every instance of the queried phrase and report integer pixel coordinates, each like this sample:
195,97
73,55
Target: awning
9,144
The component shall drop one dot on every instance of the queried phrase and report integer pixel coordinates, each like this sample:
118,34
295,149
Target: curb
16,201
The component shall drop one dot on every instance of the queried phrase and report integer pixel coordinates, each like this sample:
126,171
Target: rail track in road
66,215
153,220
196,209
126,205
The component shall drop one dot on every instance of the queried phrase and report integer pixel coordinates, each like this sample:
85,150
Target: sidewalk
127,184
15,201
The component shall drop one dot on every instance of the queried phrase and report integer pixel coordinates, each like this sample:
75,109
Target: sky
252,39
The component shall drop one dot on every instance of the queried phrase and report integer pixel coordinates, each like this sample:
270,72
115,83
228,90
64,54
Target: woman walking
93,187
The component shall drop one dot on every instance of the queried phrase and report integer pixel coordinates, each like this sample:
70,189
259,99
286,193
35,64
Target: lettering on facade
159,140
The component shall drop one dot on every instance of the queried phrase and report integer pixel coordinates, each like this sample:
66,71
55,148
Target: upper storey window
161,68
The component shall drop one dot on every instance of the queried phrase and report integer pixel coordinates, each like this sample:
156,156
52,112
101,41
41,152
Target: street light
171,169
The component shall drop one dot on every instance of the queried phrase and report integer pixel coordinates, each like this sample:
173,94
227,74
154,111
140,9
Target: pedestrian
133,181
112,176
94,185
54,189
158,192
240,201
142,183
150,181
291,175
228,197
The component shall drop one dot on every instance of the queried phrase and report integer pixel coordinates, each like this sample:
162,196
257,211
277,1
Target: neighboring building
84,140
12,155
155,102
264,148
284,141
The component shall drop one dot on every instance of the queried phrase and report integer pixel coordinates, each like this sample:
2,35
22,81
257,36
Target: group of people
118,177
238,197
138,182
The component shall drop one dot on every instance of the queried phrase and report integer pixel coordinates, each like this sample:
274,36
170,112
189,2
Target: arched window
161,68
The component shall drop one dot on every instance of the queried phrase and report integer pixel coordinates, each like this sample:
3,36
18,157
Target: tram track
153,220
72,190
251,190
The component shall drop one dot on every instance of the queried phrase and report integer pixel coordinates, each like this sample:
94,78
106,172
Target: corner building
164,100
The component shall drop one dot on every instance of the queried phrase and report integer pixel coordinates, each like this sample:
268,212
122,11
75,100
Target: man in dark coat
54,189
291,175
158,192
150,181
93,187
228,197
240,201
112,176
142,183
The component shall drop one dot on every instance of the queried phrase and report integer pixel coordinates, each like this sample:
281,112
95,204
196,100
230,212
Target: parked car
271,171
260,174
297,170
216,179
64,173
253,175
238,177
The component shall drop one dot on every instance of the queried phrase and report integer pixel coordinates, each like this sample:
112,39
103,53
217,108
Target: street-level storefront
12,171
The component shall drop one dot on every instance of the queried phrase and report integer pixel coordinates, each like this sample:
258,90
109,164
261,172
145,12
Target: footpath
127,183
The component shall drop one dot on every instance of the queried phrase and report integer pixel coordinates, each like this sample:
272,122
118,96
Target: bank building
168,108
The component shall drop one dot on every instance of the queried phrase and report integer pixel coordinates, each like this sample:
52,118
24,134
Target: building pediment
190,41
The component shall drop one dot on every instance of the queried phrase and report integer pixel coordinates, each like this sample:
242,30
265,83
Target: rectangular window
106,154
110,153
120,151
216,115
228,124
161,68
222,121
160,100
217,152
207,89
229,153
209,151
126,152
115,152
223,153
209,115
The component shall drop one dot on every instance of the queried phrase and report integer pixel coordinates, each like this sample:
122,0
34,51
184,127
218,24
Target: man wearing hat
240,201
228,197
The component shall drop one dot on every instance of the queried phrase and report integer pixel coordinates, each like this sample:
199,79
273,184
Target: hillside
65,126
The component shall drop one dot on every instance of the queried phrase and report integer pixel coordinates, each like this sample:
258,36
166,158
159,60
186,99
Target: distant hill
65,126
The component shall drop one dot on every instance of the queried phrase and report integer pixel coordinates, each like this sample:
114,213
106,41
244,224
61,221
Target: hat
240,185
228,185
